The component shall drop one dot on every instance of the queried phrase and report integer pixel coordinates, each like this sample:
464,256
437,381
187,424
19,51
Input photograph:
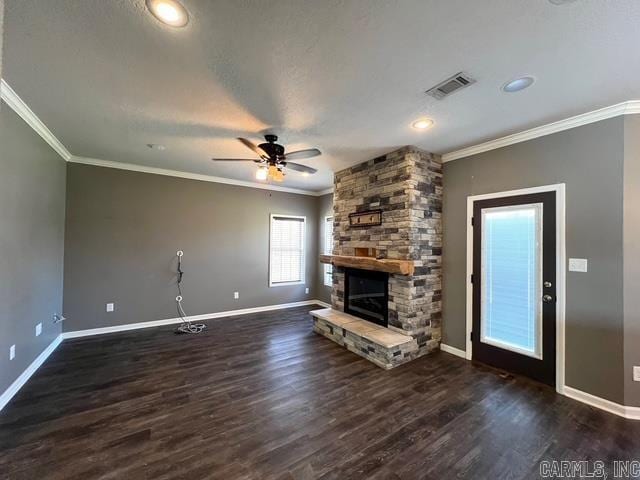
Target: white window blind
328,249
512,278
286,254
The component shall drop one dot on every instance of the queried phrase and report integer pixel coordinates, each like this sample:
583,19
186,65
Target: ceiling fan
273,159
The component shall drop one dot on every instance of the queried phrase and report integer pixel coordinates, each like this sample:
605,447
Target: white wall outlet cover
306,290
578,264
38,329
636,374
12,352
110,307
236,295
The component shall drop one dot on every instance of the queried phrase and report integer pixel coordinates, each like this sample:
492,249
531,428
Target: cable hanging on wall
186,326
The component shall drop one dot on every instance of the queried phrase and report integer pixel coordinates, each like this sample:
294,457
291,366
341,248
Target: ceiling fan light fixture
262,173
273,160
279,176
169,12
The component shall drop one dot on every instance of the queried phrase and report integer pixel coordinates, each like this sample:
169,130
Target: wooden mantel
401,267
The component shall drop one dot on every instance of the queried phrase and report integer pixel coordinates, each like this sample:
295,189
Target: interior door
514,284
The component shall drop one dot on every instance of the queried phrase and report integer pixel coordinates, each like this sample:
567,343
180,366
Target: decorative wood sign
369,218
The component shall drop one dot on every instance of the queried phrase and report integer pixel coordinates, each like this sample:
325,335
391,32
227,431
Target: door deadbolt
548,284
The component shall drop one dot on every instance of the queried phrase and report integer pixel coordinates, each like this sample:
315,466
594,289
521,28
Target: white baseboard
31,369
453,350
192,318
24,377
632,413
322,304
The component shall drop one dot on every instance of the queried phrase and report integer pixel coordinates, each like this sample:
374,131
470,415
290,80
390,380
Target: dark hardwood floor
261,396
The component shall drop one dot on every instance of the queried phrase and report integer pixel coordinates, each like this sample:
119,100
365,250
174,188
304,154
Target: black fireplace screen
367,295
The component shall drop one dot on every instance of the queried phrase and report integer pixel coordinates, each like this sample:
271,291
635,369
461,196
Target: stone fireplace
406,244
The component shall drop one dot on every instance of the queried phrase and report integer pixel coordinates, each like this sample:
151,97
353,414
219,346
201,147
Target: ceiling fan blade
256,149
300,168
300,154
236,160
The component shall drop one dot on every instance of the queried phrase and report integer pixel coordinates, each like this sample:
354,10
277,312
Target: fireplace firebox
367,295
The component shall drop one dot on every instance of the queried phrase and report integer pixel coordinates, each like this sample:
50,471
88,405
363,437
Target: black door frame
559,190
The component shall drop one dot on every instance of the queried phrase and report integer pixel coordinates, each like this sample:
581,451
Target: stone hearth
407,186
380,345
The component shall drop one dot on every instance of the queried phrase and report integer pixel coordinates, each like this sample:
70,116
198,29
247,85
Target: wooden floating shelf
401,267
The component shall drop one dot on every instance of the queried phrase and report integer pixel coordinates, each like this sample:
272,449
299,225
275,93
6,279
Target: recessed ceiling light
422,123
155,146
169,12
518,84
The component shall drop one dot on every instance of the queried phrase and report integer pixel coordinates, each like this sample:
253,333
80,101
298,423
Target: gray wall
123,229
631,258
1,34
325,209
32,186
589,159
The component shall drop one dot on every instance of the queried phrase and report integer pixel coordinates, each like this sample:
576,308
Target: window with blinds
328,249
286,250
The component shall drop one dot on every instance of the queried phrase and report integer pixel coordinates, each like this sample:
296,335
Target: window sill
285,284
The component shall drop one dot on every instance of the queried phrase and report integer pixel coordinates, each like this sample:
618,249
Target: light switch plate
12,352
38,329
110,307
236,295
578,265
306,290
636,374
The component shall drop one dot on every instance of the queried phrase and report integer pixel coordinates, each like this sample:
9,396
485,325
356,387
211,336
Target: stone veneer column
407,186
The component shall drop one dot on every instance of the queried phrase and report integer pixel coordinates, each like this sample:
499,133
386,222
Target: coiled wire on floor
186,326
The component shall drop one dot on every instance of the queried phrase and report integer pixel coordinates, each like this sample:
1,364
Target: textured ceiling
345,76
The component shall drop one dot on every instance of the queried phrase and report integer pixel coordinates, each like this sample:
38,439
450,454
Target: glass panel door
513,284
511,278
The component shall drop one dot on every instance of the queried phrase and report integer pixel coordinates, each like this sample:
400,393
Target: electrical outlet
12,352
111,307
636,374
578,265
306,290
38,329
236,295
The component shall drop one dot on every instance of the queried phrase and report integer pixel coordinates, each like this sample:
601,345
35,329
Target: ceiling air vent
450,85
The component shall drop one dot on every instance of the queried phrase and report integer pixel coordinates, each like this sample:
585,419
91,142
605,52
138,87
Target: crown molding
191,176
22,109
325,192
624,108
14,101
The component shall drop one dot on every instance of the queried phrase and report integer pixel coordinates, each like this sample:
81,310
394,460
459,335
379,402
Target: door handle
547,298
